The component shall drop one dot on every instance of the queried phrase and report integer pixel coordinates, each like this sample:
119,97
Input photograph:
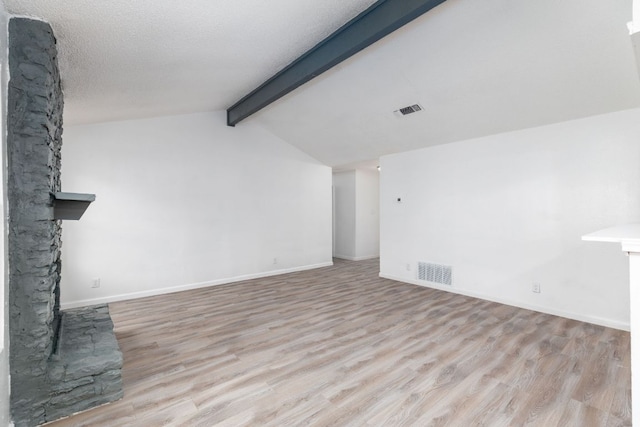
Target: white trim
180,288
356,258
569,315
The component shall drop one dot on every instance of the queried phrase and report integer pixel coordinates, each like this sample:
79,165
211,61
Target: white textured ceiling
477,67
123,59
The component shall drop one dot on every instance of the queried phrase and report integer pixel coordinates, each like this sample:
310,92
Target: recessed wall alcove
61,362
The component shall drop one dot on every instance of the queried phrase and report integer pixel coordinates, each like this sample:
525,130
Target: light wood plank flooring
339,346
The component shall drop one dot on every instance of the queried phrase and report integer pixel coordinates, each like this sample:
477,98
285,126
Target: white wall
4,291
185,201
344,187
509,210
367,213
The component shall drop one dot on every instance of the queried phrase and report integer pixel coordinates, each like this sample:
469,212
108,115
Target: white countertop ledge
627,235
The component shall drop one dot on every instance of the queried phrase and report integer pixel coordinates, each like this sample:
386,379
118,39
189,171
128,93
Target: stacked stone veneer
56,368
85,371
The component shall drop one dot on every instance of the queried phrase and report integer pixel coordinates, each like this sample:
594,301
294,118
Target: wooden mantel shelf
71,205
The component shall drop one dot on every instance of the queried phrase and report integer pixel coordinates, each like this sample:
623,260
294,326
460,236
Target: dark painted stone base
86,371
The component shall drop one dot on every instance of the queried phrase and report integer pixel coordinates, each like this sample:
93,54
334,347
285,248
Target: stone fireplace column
60,362
34,141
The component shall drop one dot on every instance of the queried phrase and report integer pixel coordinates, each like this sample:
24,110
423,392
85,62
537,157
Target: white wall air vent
436,273
408,110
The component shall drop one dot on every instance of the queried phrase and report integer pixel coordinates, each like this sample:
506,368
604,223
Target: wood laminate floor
339,346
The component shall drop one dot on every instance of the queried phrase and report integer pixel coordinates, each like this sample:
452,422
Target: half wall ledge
71,205
628,236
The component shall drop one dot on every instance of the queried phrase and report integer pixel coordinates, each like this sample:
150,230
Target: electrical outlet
275,261
408,267
535,287
95,283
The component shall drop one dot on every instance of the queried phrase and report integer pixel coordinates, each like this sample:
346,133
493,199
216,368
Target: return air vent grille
436,273
408,110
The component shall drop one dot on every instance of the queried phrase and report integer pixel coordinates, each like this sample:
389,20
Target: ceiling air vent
408,110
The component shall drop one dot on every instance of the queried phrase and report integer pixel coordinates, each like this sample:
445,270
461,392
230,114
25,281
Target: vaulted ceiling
476,67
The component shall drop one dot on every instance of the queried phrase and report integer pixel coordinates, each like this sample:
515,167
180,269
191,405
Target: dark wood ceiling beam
379,20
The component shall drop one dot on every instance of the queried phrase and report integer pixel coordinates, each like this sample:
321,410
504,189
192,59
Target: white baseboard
609,323
357,258
172,289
